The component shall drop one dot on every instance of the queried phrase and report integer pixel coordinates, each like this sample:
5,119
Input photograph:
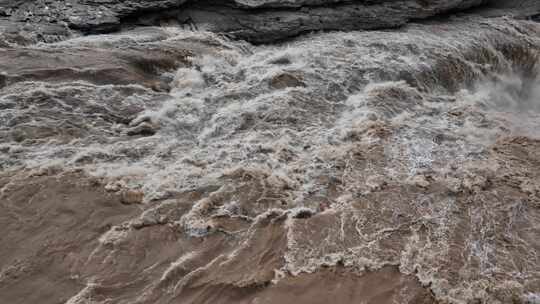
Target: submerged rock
144,129
286,80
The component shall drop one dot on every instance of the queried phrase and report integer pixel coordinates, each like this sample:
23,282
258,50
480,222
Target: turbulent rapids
163,164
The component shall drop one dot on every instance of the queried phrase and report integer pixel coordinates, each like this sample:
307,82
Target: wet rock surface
173,164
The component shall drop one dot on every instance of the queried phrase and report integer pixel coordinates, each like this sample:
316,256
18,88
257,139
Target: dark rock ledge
258,21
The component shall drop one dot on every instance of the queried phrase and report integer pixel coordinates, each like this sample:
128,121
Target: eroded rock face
264,21
280,22
256,21
93,16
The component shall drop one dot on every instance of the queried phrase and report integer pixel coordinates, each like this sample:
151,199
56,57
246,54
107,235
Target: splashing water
323,122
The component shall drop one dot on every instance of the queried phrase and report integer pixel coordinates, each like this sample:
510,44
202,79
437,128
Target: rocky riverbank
24,22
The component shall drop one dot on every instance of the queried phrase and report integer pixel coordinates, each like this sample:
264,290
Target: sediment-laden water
395,166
